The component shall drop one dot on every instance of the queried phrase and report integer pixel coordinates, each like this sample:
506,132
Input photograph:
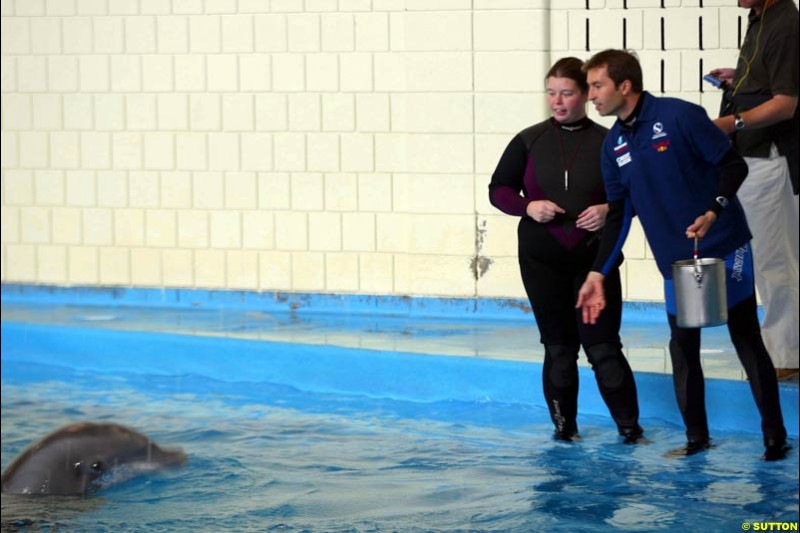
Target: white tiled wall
317,145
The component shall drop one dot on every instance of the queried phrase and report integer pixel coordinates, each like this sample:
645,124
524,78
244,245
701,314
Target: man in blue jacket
666,162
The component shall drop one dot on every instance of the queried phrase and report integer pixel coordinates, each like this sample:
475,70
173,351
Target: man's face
603,93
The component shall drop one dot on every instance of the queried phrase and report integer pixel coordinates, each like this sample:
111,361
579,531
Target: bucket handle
698,272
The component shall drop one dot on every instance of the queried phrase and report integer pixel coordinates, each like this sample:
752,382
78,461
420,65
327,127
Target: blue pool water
271,449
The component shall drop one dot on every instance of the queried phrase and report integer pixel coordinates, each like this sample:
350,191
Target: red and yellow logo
661,146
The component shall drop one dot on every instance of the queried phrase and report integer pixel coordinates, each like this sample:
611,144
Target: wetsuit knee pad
609,364
563,365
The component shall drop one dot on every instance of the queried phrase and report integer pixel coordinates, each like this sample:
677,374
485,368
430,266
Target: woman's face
566,101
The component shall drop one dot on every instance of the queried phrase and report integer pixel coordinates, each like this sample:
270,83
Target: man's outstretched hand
592,298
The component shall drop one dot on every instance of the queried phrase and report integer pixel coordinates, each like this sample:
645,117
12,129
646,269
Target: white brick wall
331,146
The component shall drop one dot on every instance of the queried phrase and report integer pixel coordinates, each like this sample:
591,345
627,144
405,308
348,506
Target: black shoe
692,447
566,436
632,435
775,450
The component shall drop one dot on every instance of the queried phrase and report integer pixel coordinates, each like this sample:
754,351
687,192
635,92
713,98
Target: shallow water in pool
264,457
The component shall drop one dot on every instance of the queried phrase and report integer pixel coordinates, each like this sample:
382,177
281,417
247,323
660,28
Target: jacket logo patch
624,159
658,131
621,145
661,146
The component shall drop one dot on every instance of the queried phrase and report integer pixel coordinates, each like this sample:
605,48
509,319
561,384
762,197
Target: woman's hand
543,210
593,218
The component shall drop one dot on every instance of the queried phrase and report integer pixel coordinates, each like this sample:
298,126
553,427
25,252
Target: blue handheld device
713,80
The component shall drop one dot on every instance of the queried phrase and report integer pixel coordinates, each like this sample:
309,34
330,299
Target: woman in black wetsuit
549,175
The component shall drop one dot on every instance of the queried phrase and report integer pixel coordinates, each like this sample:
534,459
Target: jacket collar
643,111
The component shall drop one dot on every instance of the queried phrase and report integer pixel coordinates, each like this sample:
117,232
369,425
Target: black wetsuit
554,260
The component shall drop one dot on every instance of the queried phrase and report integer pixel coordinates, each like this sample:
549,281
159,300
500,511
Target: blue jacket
665,169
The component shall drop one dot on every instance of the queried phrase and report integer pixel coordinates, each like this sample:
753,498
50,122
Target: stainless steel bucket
700,295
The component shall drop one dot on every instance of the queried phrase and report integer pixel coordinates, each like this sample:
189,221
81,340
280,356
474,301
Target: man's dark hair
572,68
621,65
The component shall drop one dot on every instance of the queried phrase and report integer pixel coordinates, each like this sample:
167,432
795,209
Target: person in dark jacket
760,114
665,161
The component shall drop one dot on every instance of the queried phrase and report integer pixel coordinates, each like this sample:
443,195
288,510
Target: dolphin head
82,458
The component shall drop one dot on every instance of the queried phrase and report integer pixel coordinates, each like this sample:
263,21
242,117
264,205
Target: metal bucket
700,294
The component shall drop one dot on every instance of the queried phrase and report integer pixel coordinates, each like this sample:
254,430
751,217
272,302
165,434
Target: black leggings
552,289
687,372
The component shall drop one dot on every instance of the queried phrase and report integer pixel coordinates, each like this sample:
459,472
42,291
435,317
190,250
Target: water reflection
52,513
263,454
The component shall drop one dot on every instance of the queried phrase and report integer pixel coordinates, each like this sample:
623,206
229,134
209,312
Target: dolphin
82,458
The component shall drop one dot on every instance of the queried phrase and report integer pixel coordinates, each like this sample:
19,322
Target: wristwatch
738,122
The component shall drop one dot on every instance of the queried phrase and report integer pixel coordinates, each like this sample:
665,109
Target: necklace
564,162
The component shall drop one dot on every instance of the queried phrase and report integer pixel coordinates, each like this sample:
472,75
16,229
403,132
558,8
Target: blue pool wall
333,369
455,308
